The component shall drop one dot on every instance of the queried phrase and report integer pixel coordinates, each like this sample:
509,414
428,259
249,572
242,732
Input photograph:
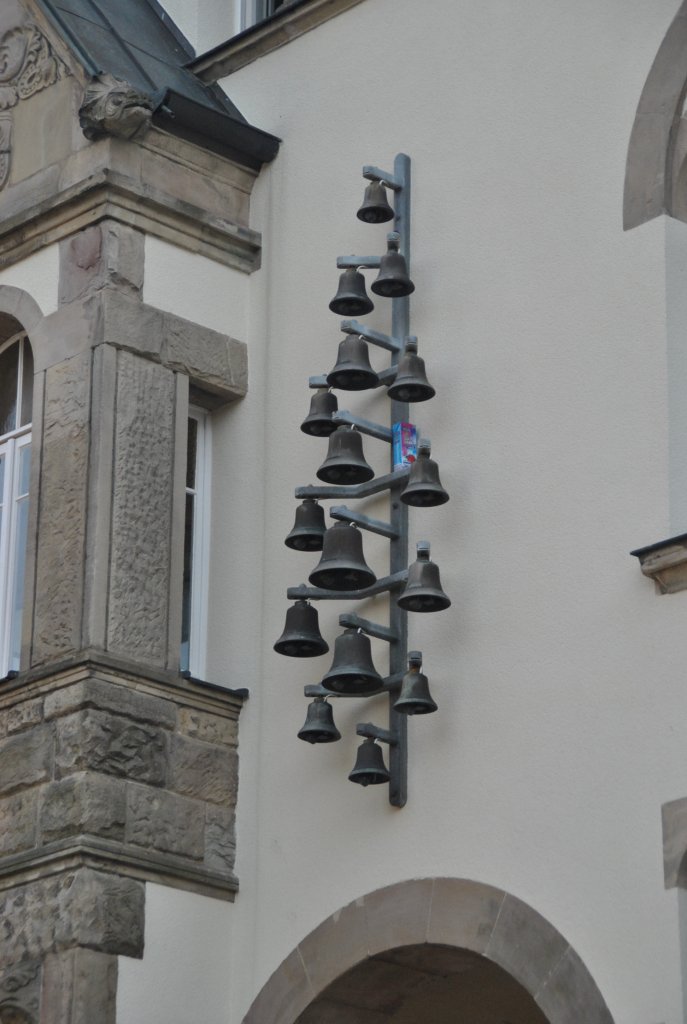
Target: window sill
666,563
288,23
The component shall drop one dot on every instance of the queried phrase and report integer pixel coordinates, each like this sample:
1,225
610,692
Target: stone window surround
290,21
436,911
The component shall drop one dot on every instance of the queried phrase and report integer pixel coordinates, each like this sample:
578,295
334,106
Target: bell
423,591
392,281
352,371
410,383
424,486
309,528
319,723
342,565
369,769
345,462
301,637
414,698
375,208
319,422
351,298
352,672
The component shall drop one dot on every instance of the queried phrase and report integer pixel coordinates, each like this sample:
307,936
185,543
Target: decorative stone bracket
666,563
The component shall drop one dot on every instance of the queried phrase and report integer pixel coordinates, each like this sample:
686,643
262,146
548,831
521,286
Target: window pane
188,576
191,453
9,367
24,470
27,386
18,584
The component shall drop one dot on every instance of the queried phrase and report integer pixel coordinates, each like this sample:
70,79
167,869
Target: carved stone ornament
14,1015
113,107
28,64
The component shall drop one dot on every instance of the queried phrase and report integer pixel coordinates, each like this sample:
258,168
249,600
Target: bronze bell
410,383
352,671
414,698
345,462
301,637
352,371
308,529
369,769
375,208
351,299
423,591
342,565
392,281
424,486
319,723
319,422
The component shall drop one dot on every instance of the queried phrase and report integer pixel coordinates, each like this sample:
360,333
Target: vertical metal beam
398,556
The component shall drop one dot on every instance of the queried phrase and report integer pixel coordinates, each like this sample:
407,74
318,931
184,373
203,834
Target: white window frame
251,12
11,445
195,661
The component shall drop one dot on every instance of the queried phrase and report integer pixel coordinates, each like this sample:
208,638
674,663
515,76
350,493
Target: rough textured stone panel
165,822
109,696
82,908
103,912
220,840
79,987
18,822
62,511
141,510
199,725
25,715
83,803
203,771
105,253
25,759
105,743
21,986
212,361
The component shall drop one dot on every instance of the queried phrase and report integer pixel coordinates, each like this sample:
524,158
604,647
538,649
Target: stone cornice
107,194
100,666
665,563
117,859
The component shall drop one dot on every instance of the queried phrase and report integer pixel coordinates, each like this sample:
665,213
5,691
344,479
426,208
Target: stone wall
102,766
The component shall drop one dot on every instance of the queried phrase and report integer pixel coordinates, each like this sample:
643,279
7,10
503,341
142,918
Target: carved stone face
13,45
113,107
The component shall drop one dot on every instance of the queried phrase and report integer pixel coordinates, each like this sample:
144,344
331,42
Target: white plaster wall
190,932
195,287
558,670
37,275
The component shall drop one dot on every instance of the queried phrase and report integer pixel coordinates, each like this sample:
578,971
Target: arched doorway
429,984
429,950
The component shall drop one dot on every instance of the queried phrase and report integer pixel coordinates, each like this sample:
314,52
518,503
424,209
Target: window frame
193,661
11,444
253,12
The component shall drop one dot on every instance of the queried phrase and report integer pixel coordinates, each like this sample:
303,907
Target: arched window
16,390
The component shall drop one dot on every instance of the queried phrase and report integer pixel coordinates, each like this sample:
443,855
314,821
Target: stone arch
442,912
17,308
658,142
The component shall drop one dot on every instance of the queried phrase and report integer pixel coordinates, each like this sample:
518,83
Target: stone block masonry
104,766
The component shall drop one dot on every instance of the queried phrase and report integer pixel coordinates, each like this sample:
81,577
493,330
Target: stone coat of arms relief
28,64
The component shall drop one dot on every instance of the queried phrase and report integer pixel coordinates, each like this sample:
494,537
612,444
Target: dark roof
136,40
